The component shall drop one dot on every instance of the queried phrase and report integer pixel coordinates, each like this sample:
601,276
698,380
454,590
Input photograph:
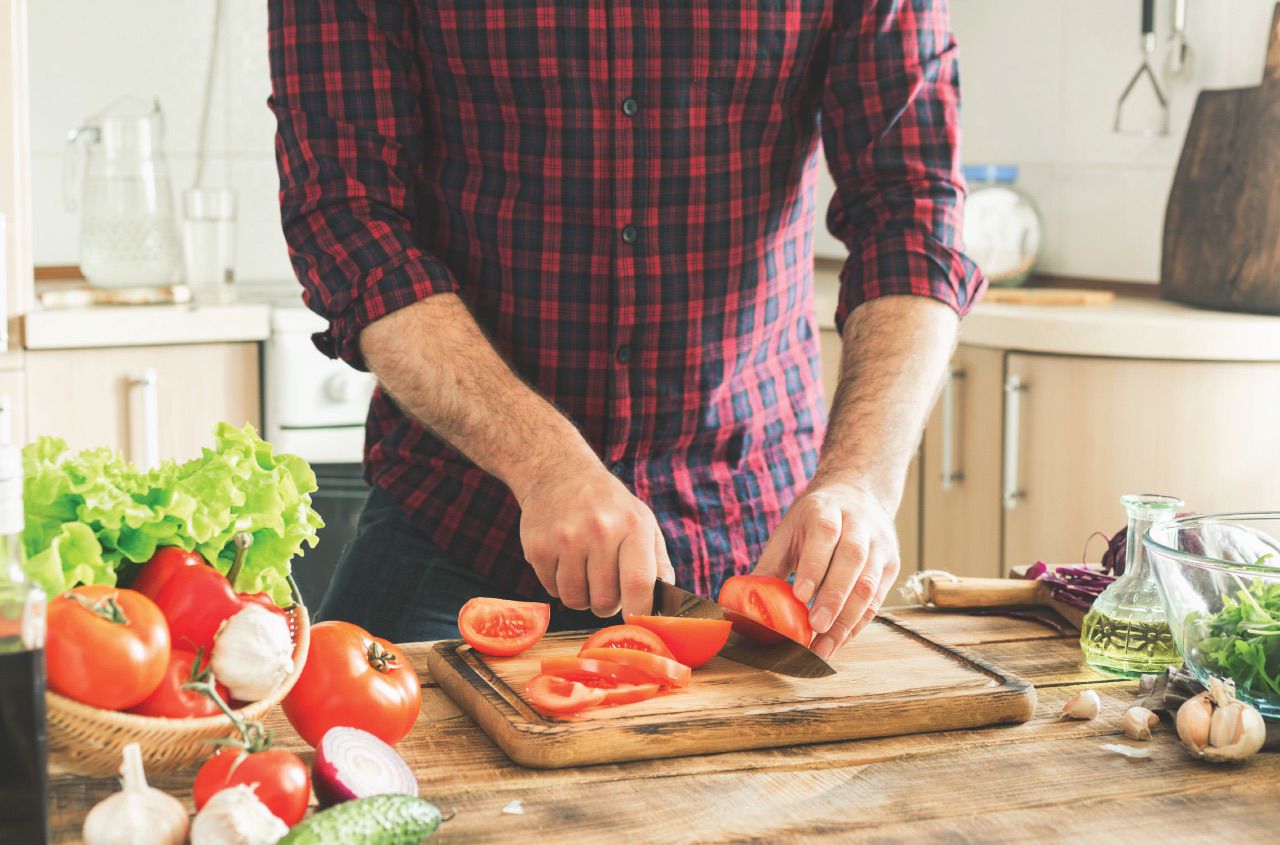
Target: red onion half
351,763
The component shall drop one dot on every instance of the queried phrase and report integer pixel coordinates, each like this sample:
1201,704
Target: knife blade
785,658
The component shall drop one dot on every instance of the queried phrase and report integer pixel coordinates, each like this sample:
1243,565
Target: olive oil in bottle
1125,632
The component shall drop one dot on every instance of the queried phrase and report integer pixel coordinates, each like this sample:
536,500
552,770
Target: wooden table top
1045,780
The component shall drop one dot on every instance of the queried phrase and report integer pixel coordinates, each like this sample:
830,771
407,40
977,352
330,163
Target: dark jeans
393,582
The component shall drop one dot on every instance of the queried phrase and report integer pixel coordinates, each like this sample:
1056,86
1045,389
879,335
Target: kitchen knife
785,658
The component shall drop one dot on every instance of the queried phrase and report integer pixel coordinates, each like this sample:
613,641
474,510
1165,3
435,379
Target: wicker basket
90,741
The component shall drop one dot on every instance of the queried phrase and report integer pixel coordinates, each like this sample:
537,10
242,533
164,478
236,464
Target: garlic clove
1195,717
1138,722
1237,735
1082,705
137,813
235,816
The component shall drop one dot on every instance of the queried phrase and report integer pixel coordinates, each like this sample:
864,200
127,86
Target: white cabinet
152,402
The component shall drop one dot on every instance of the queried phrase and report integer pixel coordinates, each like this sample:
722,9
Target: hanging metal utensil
1148,45
1178,60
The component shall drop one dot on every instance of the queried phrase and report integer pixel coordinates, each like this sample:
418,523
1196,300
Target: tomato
769,602
503,628
664,670
584,671
279,778
196,600
157,571
627,636
106,647
628,693
557,695
356,680
170,700
692,641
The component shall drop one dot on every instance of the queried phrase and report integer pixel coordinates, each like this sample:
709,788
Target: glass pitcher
116,176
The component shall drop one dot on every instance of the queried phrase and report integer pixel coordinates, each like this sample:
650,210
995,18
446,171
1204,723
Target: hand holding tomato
356,680
106,647
842,545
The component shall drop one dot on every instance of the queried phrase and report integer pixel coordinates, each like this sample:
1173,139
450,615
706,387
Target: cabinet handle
147,384
951,475
1014,387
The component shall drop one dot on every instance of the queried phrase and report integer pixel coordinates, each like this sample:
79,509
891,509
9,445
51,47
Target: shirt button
630,234
630,107
624,354
617,468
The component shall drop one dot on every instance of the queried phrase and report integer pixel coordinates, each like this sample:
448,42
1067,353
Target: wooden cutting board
889,681
1220,246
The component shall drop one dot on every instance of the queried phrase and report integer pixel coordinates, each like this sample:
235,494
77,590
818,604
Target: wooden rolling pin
949,592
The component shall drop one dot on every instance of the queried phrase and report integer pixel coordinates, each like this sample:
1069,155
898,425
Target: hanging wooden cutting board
1221,247
889,681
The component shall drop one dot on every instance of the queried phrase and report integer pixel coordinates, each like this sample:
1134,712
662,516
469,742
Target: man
573,242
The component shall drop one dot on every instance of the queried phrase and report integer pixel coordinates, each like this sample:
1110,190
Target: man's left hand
840,541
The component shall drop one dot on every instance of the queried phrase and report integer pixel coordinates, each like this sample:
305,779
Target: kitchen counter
145,325
1045,780
1130,327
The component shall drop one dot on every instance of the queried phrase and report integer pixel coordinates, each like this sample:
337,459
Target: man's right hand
591,542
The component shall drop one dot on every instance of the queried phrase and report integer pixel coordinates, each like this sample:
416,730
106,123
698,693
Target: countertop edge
145,325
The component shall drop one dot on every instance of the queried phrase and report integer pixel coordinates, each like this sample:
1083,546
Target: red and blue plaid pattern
622,193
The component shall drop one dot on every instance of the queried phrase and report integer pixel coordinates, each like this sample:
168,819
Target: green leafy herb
89,514
1242,641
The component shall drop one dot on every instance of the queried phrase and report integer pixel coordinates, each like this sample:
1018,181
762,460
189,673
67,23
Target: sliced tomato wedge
503,628
627,636
768,609
557,695
692,641
585,671
629,693
664,670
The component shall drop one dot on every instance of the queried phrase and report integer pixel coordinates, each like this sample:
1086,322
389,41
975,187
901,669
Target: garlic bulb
1138,722
252,653
1215,726
138,814
235,816
1082,705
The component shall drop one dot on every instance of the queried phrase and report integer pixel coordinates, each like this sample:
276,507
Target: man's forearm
434,360
896,349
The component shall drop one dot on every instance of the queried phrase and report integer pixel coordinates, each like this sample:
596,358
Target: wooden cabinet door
907,520
961,530
1093,429
97,397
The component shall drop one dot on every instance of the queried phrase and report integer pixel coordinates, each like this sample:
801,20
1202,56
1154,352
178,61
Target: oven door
339,500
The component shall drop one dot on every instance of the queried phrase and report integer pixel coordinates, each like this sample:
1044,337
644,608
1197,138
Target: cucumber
377,820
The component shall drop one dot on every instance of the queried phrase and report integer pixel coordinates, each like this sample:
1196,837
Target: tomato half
106,647
171,701
557,695
627,636
279,778
156,573
583,671
769,602
354,679
692,641
503,628
664,670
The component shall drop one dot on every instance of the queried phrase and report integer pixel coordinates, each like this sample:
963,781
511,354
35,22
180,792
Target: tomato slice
692,641
627,636
629,693
664,670
767,607
588,671
503,628
557,695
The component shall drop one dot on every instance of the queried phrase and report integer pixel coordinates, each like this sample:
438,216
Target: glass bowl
1219,578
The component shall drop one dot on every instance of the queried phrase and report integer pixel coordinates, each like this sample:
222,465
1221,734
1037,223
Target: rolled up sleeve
890,130
346,93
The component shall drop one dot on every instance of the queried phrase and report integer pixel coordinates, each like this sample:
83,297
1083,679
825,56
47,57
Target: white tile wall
86,54
1040,79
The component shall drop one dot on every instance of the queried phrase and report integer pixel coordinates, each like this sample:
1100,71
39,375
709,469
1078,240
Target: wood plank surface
889,681
1042,781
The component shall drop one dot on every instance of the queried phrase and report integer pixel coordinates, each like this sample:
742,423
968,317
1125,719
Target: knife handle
983,592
